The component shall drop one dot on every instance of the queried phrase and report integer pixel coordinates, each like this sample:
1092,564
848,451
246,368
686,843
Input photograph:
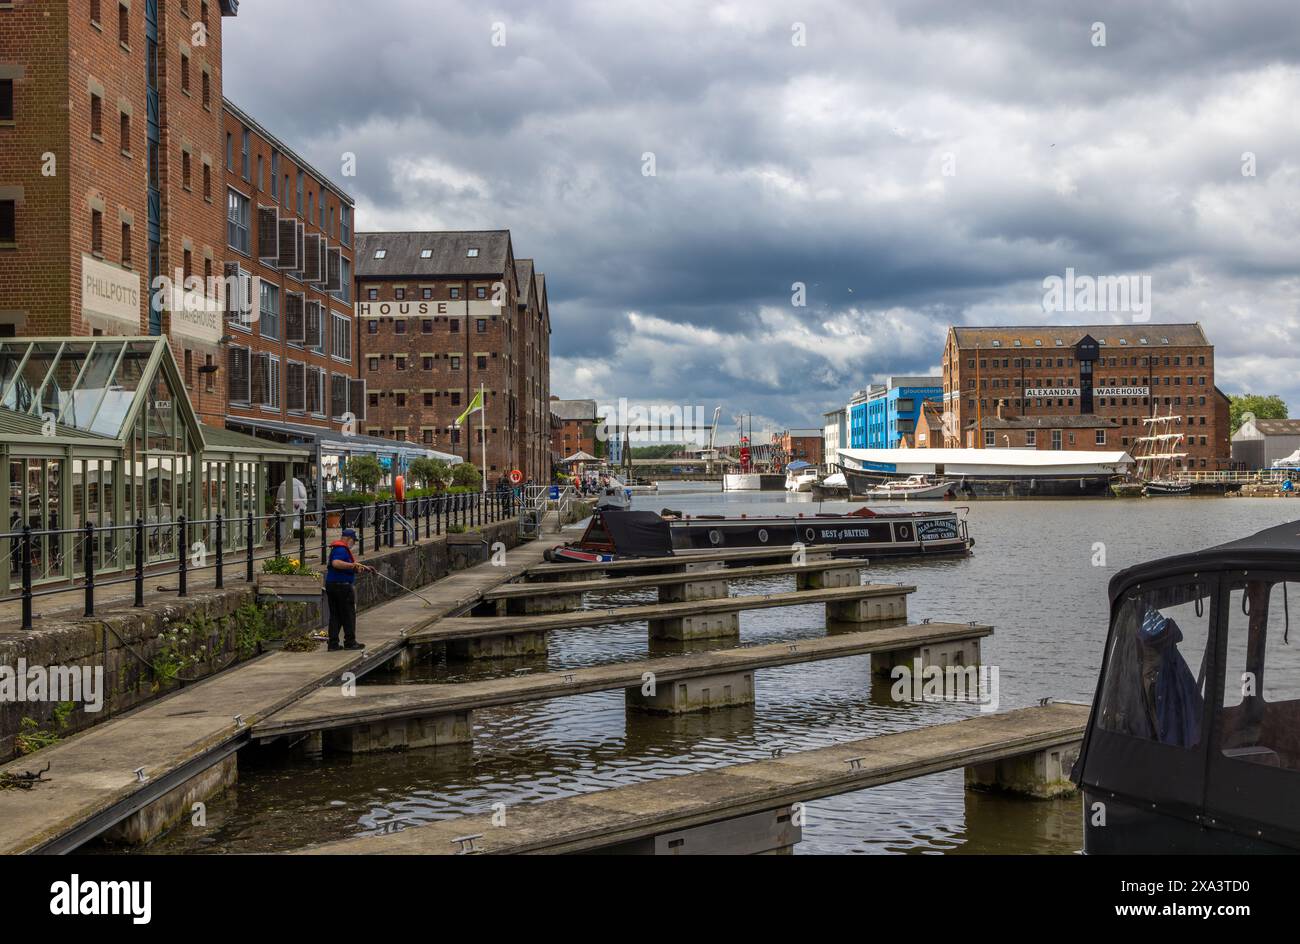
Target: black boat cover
638,533
1278,546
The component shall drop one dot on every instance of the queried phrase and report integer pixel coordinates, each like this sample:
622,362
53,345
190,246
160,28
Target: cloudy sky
914,164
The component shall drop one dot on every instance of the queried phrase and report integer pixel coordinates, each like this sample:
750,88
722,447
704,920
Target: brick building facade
1100,380
441,314
110,138
293,354
574,427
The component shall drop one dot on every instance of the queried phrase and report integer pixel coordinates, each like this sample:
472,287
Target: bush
289,566
365,471
429,473
464,474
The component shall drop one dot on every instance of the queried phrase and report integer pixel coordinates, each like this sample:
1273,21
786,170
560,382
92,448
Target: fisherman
340,578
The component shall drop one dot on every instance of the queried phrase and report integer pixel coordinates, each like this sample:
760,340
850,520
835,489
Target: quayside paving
626,814
92,780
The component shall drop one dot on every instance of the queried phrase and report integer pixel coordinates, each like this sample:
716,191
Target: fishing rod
427,601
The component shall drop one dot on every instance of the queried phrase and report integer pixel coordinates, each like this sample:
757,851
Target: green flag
475,404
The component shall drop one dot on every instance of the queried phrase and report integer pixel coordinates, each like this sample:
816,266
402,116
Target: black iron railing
250,537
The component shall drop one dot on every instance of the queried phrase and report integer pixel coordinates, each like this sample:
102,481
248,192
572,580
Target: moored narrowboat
877,533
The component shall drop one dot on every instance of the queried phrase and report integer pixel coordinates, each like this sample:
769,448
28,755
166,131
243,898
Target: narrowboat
1193,740
876,533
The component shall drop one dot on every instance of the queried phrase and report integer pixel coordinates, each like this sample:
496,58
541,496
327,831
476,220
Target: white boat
1002,473
912,488
800,479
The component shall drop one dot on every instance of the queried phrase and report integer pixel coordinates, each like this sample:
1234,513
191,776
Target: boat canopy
797,465
638,533
1197,709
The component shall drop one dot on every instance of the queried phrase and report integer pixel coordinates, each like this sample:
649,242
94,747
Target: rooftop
253,124
574,409
1107,335
459,254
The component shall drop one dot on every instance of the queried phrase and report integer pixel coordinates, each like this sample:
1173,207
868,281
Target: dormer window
471,253
1016,342
1123,340
381,253
1142,340
1059,342
1038,342
1164,340
997,343
426,253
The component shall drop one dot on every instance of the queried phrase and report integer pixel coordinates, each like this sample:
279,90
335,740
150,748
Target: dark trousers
343,612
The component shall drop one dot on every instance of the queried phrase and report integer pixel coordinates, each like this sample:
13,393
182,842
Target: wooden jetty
385,717
756,807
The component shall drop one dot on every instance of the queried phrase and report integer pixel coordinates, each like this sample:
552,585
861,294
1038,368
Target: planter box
290,587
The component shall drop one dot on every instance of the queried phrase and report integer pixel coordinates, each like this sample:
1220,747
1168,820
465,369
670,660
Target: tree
364,472
429,473
464,473
1270,407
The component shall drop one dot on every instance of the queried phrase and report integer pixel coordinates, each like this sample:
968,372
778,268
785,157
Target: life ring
516,476
399,488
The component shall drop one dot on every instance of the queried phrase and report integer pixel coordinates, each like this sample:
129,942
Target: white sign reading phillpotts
110,292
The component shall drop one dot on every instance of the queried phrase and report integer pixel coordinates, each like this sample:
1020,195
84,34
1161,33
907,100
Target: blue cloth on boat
1178,703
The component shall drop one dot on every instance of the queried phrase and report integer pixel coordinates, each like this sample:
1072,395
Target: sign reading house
110,294
456,307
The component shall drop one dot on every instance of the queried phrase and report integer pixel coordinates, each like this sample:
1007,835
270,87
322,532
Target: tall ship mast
1155,456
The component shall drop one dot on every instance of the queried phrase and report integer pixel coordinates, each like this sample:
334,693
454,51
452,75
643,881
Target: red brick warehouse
440,314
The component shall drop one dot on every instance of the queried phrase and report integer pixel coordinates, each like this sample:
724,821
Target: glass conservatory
100,431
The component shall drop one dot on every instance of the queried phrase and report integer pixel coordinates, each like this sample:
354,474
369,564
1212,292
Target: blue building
857,410
893,414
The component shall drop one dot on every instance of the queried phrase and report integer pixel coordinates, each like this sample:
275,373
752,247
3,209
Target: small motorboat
832,487
886,532
912,488
1193,739
800,477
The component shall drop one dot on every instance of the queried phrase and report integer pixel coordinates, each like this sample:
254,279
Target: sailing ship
1154,457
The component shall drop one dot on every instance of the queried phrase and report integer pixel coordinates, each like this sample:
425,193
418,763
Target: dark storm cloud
822,164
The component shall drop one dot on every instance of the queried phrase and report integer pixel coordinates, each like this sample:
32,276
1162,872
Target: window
990,438
454,292
399,326
480,324
401,400
1031,437
207,182
453,325
372,294
125,124
275,174
471,253
301,186
185,169
345,285
1151,689
237,228
381,253
123,24
96,116
400,361
94,12
243,156
8,222
230,151
261,174
426,253
97,232
126,245
1101,437
427,363
271,389
455,362
342,339
6,99
426,293
399,294
206,83
426,326
480,292
345,231
480,362
285,192
372,363
185,74
428,398
269,310
455,398
1056,439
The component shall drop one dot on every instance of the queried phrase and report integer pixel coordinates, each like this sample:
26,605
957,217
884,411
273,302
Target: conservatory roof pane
88,384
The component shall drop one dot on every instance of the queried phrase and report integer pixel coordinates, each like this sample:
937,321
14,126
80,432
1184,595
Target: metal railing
1238,476
251,538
